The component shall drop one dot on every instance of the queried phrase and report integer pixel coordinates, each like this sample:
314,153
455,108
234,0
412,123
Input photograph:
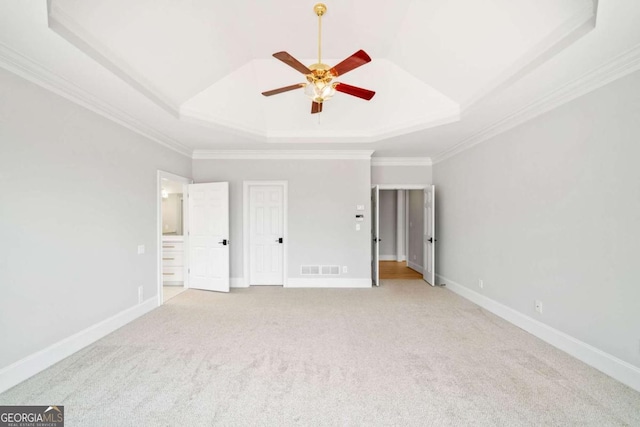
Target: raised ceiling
190,73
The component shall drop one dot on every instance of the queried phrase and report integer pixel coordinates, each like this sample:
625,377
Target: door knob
224,242
280,240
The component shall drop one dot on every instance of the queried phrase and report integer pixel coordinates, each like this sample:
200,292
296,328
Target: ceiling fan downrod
320,9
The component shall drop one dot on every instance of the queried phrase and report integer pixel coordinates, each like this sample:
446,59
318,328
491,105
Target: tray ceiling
448,73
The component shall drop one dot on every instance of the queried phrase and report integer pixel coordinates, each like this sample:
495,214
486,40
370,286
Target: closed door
209,236
266,237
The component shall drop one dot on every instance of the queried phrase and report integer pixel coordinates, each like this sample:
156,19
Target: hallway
397,270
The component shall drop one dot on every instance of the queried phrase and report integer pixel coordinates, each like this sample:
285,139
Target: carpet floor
403,354
169,292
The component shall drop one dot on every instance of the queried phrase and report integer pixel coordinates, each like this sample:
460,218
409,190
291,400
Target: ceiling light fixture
320,84
320,88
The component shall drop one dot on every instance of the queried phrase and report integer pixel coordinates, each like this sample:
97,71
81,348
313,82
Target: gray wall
388,209
401,175
416,228
323,195
79,195
550,211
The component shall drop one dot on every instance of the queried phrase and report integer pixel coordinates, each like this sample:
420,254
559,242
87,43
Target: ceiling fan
320,85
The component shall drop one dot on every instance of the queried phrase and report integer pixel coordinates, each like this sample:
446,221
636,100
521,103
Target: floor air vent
320,270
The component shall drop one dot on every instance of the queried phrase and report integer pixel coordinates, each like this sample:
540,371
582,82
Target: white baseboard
416,267
616,368
238,282
327,282
41,360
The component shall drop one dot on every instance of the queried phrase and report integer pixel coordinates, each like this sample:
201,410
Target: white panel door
266,219
209,236
429,271
375,233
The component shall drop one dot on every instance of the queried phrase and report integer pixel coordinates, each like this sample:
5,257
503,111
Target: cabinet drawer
172,246
172,274
172,259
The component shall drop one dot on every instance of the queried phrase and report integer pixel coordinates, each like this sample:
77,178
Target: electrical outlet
357,227
345,270
140,249
538,306
140,294
481,283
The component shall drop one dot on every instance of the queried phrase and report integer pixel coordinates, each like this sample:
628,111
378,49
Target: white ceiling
448,73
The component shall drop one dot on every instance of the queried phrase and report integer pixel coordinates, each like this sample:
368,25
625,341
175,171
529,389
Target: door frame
185,229
422,187
246,253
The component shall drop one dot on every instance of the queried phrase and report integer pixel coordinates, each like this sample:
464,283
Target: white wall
416,229
550,211
323,195
79,195
401,175
388,208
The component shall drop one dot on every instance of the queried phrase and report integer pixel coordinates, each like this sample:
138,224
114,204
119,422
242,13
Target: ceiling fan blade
354,61
292,62
283,89
316,107
355,91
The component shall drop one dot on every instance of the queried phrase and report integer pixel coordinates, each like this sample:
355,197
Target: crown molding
620,66
282,154
576,26
401,161
67,28
35,73
189,115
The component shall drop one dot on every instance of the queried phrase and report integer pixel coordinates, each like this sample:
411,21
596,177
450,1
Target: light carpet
402,354
169,292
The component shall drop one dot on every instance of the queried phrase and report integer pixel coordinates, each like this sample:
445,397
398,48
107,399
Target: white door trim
185,228
245,227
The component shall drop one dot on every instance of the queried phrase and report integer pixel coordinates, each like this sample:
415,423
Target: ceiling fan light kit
320,85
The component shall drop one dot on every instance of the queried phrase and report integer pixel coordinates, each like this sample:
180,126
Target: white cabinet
172,260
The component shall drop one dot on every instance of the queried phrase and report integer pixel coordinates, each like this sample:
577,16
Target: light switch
140,249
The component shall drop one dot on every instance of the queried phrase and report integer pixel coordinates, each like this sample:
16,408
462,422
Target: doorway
403,239
265,232
173,276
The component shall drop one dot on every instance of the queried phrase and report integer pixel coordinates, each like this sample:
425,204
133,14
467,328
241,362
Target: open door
429,272
209,236
375,232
